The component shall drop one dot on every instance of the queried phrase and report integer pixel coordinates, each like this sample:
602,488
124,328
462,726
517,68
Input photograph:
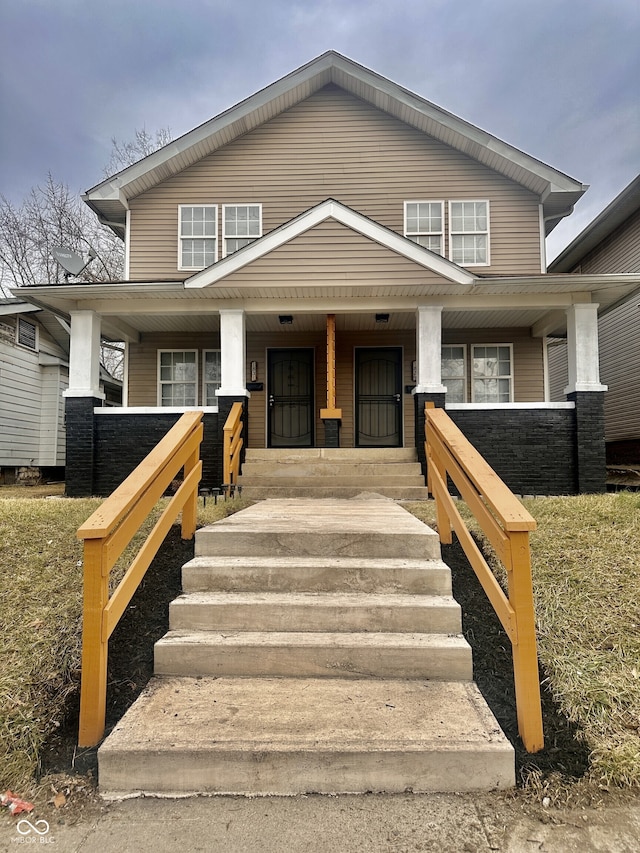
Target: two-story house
333,252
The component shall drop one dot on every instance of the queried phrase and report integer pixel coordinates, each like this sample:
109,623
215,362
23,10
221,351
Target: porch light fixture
382,318
285,319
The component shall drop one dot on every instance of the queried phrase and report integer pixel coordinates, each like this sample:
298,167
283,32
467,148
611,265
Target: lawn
586,583
41,618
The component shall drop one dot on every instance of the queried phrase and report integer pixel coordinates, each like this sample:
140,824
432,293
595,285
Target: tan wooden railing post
93,693
525,655
506,524
190,509
233,443
108,532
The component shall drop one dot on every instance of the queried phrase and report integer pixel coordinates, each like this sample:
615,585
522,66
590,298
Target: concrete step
316,574
342,454
291,736
375,528
320,611
322,468
322,478
396,493
303,478
314,655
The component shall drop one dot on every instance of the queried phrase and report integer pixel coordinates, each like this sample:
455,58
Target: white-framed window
469,233
27,334
241,225
197,236
211,376
492,373
177,377
454,372
424,224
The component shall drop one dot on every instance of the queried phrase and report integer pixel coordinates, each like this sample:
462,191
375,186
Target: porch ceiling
128,309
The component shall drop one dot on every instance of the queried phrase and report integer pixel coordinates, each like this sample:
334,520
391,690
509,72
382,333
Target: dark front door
290,400
379,397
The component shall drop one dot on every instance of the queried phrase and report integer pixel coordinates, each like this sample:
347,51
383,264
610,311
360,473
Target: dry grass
586,582
586,577
586,559
41,614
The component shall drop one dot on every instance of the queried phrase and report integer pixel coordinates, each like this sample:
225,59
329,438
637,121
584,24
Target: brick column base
590,446
80,446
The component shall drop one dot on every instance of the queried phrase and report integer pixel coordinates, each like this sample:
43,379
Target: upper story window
27,334
469,232
492,376
197,231
241,225
424,224
177,377
454,373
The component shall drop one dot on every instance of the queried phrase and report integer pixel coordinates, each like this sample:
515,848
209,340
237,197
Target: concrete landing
290,735
360,527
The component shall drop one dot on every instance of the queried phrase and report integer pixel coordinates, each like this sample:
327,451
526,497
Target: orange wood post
190,509
93,691
331,361
525,656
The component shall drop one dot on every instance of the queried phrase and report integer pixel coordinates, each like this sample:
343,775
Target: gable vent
27,334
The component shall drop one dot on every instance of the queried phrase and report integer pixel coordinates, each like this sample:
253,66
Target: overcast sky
559,79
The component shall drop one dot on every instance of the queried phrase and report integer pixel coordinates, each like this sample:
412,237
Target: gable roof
330,209
558,192
618,211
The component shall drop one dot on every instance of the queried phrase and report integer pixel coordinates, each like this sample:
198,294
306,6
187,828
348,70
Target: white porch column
582,348
429,350
232,353
84,356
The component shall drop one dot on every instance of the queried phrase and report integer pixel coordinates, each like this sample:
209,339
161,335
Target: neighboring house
34,374
611,244
334,252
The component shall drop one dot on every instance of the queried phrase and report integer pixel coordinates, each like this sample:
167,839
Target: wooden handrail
233,443
506,524
109,531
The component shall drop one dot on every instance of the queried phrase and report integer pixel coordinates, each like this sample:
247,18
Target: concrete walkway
443,823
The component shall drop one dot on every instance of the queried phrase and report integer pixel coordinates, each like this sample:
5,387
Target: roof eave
109,198
614,214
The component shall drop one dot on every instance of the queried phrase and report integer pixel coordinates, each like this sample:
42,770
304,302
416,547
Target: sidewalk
443,823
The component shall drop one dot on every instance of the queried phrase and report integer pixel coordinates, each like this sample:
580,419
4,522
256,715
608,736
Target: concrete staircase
332,472
316,648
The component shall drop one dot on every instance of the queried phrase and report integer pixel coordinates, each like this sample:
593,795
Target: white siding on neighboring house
31,402
55,380
20,404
